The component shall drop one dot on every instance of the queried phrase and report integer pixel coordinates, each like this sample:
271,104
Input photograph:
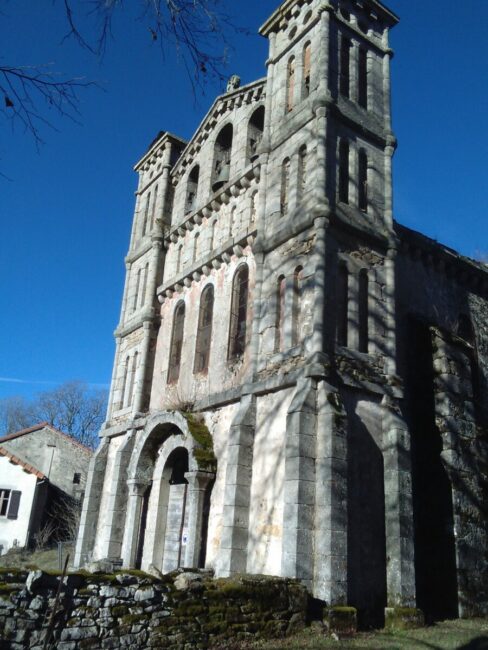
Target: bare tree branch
27,89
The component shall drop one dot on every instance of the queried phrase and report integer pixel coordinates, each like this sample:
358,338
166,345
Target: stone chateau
298,381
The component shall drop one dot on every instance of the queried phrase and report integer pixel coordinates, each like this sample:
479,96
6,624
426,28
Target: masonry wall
135,610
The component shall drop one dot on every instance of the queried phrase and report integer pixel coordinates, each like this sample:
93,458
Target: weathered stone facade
330,357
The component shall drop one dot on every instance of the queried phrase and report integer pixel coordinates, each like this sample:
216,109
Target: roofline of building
286,6
39,427
30,469
226,95
155,144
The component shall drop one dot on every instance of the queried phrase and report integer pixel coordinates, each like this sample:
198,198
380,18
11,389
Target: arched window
290,84
130,392
192,189
307,52
285,186
297,305
302,172
136,292
363,78
344,171
124,382
363,181
255,133
238,313
144,285
222,153
363,311
280,313
176,343
204,332
342,304
344,63
146,215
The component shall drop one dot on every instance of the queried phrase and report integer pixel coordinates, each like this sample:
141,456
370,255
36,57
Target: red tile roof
17,461
45,425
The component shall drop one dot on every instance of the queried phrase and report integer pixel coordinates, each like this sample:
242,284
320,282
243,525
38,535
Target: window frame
177,340
238,313
204,331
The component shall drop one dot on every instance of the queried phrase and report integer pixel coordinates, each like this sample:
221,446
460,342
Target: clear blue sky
67,210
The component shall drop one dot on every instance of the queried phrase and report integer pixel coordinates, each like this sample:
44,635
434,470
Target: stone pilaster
197,485
235,517
91,505
330,533
299,484
135,498
111,527
400,570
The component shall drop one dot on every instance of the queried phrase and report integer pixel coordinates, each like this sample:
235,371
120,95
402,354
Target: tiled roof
17,461
45,425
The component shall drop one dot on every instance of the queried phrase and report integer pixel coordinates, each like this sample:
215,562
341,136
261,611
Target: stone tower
260,411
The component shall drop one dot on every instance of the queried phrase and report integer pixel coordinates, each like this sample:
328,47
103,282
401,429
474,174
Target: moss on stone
203,452
403,618
7,588
131,619
119,610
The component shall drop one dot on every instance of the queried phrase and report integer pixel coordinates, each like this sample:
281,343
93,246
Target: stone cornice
233,188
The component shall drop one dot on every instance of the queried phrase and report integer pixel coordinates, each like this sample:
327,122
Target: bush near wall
130,609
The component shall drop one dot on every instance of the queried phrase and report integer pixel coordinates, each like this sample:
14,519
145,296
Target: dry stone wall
134,610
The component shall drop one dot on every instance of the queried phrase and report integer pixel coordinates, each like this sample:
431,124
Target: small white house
22,491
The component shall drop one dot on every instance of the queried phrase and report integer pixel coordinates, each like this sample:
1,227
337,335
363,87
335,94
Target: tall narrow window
363,311
213,228
344,63
179,252
254,197
130,391
124,382
196,242
307,51
297,305
344,171
290,84
302,172
146,215
136,292
192,189
285,186
238,314
255,133
204,332
280,313
363,180
342,305
232,220
176,343
363,78
222,154
154,205
144,285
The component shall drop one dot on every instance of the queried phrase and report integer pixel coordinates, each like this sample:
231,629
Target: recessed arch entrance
168,498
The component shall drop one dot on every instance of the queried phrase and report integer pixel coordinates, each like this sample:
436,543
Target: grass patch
447,635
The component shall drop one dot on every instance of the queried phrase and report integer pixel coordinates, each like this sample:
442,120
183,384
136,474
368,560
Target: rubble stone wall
135,610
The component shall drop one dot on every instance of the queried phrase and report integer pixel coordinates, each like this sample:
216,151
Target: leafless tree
72,408
16,413
196,29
